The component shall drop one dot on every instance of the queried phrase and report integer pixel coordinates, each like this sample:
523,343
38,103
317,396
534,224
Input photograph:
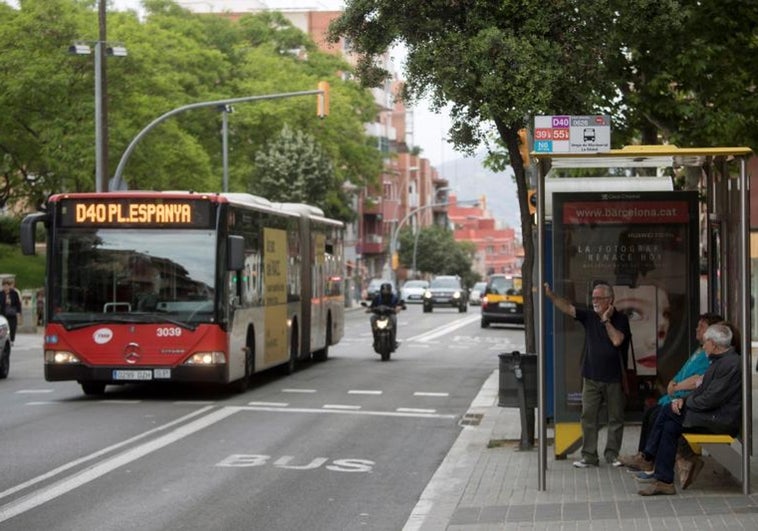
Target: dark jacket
392,301
717,404
15,302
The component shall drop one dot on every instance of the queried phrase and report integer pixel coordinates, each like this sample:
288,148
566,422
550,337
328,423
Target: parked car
475,296
5,348
503,300
413,290
446,292
373,287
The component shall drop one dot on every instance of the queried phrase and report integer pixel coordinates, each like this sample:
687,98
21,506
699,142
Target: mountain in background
469,179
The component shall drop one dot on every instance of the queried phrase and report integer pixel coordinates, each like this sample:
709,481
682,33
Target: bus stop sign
572,134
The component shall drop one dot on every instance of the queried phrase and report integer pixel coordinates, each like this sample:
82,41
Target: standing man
714,407
606,345
10,306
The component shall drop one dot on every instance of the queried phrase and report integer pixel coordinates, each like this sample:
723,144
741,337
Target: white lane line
33,391
415,410
363,392
120,401
194,402
298,390
352,412
43,403
271,404
99,453
442,330
341,406
421,393
66,485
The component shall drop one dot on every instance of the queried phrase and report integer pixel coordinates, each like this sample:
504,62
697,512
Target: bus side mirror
235,253
28,229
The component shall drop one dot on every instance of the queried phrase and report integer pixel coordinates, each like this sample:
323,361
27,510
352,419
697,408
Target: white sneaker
583,464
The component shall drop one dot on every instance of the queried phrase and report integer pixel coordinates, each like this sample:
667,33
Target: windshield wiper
127,318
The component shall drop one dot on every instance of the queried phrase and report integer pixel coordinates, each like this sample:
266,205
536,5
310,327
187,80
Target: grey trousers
594,394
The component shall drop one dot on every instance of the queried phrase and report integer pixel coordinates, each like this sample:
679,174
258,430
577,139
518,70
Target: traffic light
523,147
322,100
531,197
395,261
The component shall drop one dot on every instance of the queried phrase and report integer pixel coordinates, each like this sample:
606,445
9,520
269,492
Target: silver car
413,290
475,297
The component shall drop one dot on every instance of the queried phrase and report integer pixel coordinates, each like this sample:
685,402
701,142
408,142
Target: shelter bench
725,449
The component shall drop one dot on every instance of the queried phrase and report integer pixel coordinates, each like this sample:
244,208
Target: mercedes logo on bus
132,353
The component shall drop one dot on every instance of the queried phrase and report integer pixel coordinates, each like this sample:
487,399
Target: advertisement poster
645,245
275,294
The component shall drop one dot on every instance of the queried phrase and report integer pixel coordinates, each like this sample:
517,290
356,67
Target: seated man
682,384
714,407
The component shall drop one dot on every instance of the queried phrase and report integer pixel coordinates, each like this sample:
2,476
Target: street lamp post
396,232
101,119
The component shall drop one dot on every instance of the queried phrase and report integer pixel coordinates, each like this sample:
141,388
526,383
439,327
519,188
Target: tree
292,168
674,70
175,58
437,252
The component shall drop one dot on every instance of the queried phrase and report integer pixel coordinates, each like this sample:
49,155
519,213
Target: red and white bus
180,286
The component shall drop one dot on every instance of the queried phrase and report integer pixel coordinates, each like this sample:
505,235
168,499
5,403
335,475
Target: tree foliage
436,252
675,70
175,58
292,168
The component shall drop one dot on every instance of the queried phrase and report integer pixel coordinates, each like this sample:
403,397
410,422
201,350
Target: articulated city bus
179,286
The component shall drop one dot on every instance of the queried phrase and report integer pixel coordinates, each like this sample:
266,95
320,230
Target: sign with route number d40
572,134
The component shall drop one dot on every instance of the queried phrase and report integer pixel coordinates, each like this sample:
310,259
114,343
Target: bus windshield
128,275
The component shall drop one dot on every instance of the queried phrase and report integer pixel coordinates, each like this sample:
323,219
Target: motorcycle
384,344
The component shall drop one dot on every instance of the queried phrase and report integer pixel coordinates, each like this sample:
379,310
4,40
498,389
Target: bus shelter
668,227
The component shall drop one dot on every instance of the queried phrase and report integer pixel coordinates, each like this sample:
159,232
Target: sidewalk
482,488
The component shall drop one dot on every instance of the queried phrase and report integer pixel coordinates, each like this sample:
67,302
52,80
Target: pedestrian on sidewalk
714,407
10,306
606,346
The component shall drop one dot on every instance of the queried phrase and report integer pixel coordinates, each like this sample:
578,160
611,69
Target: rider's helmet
385,290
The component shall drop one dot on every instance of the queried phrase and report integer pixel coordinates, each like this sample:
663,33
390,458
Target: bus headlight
60,357
206,358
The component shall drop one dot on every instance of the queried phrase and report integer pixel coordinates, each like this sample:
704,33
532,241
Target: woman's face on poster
649,313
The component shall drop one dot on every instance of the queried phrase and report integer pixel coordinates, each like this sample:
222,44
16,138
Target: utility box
511,381
28,324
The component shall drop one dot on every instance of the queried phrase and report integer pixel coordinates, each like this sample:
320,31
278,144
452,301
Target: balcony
371,244
372,205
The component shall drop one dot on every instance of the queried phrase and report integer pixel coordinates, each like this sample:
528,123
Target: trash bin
518,388
510,384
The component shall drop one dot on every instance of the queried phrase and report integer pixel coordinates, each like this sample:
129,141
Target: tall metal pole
396,232
225,144
101,107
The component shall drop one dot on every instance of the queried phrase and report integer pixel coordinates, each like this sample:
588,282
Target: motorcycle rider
387,298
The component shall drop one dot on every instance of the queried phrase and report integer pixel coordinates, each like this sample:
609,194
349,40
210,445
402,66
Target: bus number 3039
169,332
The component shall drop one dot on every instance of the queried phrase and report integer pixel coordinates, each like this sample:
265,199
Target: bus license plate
162,374
132,375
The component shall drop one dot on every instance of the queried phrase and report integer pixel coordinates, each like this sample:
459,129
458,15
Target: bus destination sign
135,213
572,134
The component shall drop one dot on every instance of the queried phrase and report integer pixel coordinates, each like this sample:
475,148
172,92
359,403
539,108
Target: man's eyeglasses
600,298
